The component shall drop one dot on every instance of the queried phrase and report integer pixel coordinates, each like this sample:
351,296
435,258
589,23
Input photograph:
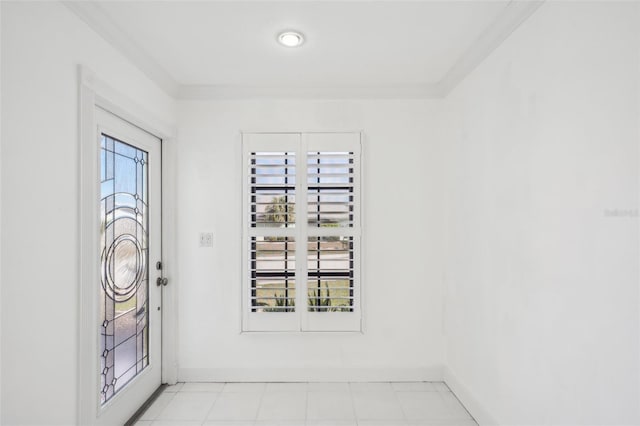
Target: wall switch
206,239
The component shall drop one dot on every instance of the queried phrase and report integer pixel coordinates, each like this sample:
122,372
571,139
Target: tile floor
307,404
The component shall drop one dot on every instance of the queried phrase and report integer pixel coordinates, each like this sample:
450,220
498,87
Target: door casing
94,93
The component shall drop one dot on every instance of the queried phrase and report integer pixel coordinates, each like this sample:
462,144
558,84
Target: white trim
95,93
207,92
297,131
513,15
121,105
88,254
363,279
638,234
97,19
468,399
170,293
0,215
302,251
329,374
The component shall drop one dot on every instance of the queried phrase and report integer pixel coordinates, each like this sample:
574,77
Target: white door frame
95,93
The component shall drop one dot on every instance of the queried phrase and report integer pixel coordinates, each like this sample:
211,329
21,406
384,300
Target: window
301,242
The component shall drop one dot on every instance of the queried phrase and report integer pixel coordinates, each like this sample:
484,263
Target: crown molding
512,16
204,92
100,21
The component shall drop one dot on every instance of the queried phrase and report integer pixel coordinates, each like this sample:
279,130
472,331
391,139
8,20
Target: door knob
162,281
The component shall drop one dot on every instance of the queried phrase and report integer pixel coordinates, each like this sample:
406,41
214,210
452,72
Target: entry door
129,327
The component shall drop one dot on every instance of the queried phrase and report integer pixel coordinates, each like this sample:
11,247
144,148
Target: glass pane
273,184
330,180
124,265
330,274
273,269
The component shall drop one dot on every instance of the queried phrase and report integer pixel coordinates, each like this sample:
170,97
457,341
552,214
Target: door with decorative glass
130,282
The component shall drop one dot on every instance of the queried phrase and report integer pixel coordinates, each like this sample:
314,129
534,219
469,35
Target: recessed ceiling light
290,38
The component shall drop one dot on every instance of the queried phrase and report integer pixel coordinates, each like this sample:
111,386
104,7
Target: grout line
264,390
306,408
395,395
212,405
461,404
353,405
165,406
357,421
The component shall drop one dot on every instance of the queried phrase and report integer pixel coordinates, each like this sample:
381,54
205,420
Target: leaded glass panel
124,341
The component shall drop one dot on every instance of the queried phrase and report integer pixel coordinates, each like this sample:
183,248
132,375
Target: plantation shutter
332,188
270,187
302,198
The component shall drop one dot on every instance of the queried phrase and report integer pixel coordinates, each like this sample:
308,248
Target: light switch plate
206,239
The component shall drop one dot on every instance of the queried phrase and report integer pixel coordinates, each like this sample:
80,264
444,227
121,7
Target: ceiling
209,49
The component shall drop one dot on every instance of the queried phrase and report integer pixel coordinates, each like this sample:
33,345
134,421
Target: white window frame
301,320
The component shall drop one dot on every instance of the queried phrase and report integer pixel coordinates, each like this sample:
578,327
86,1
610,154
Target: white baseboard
471,403
433,373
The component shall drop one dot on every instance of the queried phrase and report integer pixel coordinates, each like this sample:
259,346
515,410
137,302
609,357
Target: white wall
541,311
42,44
542,282
402,264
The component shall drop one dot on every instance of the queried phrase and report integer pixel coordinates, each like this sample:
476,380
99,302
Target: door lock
162,281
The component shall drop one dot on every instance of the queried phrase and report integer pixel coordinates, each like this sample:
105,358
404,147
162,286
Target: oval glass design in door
124,334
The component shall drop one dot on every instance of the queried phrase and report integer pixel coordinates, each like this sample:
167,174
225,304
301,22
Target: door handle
162,281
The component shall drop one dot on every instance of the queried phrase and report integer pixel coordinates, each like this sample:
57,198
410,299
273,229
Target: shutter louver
330,197
273,187
330,180
273,270
330,274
